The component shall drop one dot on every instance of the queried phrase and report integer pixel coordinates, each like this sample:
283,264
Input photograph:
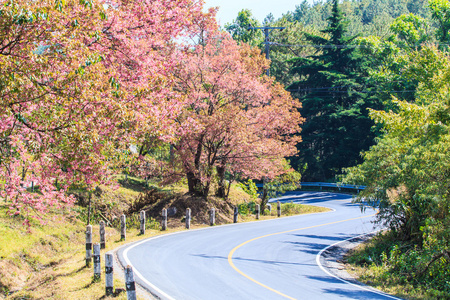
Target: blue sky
260,8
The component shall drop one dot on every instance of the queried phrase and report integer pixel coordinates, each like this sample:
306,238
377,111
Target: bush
396,263
247,208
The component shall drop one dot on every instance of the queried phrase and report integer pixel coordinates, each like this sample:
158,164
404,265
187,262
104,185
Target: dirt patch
153,203
12,278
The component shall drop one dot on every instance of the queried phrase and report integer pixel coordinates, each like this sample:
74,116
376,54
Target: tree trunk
265,197
194,184
221,189
193,176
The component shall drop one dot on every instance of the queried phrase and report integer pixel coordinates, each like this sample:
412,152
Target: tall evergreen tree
337,126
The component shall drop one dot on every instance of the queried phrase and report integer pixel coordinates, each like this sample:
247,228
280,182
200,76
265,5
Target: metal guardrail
326,184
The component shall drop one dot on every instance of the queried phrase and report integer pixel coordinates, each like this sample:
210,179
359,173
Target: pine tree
337,127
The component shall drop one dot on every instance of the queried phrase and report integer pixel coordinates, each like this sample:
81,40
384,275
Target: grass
287,209
371,264
48,261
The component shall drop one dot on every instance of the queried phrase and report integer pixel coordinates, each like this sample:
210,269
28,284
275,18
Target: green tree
407,173
337,126
278,185
411,29
440,11
239,29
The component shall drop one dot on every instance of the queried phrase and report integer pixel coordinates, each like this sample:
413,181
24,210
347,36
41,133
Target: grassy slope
48,261
363,264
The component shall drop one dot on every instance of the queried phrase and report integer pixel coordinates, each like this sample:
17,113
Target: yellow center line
230,255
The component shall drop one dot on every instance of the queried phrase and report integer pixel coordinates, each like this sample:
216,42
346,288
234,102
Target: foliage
331,89
48,104
250,188
289,209
440,11
389,263
410,28
275,186
406,172
239,29
247,208
367,17
284,48
237,121
77,88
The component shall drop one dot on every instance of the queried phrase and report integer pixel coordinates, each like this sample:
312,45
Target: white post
97,270
123,227
257,211
212,217
279,209
235,215
109,279
88,245
102,235
270,208
164,219
142,218
130,284
188,218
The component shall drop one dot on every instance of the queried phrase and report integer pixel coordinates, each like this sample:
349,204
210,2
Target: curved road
274,259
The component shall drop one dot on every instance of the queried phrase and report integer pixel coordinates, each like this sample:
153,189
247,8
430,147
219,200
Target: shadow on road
272,262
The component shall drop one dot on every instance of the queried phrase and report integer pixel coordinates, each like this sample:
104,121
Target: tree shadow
271,262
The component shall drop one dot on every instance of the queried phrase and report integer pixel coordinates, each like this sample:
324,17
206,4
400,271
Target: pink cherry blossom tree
237,120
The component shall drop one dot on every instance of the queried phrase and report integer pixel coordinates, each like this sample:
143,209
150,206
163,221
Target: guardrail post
102,235
109,279
188,218
130,284
142,219
212,217
270,208
279,209
164,219
88,245
123,227
235,215
257,211
97,270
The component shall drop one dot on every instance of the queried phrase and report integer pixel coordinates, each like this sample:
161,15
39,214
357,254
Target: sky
228,9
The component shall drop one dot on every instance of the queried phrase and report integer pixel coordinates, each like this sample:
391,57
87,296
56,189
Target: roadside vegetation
400,268
47,261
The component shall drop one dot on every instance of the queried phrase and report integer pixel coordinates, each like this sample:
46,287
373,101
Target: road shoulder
330,260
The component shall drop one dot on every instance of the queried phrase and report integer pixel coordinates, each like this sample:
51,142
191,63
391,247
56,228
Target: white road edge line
345,281
136,272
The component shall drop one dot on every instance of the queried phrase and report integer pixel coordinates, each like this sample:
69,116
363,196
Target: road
274,259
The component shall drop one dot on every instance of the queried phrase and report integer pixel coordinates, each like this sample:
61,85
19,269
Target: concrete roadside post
164,219
188,218
88,245
235,216
257,211
212,217
97,270
123,227
142,219
279,208
130,284
102,235
109,277
269,207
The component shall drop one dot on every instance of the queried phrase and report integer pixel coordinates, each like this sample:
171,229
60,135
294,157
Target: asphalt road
274,259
